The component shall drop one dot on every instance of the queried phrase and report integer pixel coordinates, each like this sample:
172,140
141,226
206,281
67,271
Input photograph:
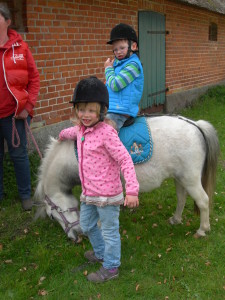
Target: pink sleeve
69,133
120,154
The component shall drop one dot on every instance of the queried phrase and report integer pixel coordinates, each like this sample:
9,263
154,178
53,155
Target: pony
184,150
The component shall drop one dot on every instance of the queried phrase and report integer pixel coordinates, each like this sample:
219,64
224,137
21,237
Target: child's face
120,49
88,113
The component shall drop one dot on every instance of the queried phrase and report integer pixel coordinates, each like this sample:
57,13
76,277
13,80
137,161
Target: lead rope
15,133
28,131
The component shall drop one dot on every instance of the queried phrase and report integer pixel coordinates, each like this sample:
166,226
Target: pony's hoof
174,221
199,234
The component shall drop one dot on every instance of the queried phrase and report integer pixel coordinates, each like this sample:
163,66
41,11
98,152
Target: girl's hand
131,201
108,63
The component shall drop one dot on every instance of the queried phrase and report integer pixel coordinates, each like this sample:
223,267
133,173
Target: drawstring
28,131
13,54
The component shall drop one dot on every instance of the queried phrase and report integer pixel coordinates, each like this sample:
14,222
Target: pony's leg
202,201
181,200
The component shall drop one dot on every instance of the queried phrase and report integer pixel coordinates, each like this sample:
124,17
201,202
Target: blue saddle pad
138,140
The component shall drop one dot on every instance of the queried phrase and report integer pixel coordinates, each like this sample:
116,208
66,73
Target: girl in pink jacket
101,157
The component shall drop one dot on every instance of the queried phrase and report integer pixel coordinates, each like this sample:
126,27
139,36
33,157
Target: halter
68,225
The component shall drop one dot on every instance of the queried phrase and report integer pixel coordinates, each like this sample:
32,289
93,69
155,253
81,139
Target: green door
152,54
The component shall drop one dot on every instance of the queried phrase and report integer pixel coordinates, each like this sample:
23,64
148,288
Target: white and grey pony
183,149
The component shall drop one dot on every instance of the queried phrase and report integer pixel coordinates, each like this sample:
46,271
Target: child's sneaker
103,275
90,255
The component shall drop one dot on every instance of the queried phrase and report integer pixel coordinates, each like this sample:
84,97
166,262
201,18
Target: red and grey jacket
21,76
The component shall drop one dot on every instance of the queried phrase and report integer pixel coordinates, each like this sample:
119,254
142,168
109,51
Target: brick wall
68,40
192,60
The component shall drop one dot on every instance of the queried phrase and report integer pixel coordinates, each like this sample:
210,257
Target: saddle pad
138,140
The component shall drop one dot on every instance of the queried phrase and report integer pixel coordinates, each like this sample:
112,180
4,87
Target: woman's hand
23,115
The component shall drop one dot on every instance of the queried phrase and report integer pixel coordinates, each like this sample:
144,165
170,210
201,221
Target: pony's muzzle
75,236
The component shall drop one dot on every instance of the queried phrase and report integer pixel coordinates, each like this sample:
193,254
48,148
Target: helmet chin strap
129,50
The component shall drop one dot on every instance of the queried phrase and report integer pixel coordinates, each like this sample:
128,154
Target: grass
158,261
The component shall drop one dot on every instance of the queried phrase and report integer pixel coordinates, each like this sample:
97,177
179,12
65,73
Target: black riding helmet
91,89
123,32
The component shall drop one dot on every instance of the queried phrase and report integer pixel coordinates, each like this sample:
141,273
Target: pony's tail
211,160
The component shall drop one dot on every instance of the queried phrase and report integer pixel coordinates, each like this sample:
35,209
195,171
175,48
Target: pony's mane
48,154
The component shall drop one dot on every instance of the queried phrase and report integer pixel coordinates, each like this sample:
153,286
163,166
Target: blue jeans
105,241
18,155
118,119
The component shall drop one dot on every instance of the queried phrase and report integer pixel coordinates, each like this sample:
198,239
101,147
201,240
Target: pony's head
58,174
65,212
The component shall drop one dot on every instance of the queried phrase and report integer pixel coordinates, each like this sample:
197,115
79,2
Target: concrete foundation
177,101
42,135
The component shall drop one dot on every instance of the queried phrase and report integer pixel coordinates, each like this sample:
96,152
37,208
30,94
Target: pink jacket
101,157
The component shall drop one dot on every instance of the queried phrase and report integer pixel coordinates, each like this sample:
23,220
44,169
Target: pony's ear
41,212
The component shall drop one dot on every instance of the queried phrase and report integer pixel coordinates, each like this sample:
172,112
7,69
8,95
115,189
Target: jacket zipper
3,65
81,161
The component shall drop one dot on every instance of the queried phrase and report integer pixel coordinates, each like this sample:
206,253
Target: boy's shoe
103,275
27,204
90,255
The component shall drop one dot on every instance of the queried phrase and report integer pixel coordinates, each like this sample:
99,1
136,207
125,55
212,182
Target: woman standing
19,88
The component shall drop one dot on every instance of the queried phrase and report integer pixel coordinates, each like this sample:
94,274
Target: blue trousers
105,240
118,119
19,156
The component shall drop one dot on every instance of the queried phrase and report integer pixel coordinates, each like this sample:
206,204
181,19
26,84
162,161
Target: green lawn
159,261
